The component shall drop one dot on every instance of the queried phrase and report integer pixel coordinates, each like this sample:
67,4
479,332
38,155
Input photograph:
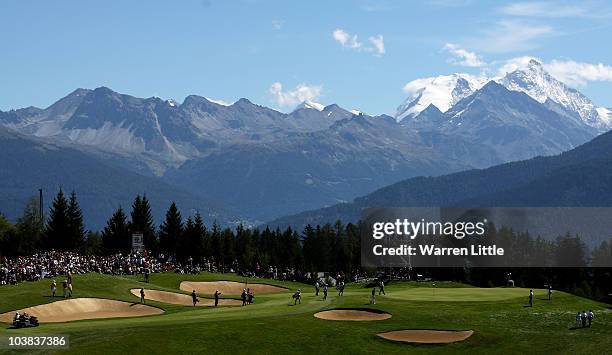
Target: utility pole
40,206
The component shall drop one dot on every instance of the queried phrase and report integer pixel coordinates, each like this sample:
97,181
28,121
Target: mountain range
256,163
29,164
581,177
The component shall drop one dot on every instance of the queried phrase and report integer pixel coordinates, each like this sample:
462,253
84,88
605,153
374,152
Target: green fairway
500,319
464,294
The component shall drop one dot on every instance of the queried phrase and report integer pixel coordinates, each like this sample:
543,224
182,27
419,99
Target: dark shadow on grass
581,327
527,306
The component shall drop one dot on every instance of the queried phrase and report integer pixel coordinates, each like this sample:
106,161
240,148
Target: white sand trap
228,287
83,308
353,315
427,336
182,299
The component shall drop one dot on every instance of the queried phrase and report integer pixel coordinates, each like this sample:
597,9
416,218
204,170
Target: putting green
468,294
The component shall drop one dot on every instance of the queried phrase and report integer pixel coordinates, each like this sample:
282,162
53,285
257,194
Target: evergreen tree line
64,229
334,248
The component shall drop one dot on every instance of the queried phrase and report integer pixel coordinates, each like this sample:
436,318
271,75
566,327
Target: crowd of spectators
55,263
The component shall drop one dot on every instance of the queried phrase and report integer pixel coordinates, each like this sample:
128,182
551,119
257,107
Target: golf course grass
500,318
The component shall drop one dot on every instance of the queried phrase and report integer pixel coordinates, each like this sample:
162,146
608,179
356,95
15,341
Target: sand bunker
182,299
83,308
427,336
228,287
353,315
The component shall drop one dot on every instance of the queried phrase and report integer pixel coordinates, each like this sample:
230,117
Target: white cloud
298,95
512,36
543,9
450,3
463,57
512,64
578,74
345,39
375,6
277,24
379,44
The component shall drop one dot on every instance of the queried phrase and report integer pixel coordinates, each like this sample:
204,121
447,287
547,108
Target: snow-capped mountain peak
536,82
442,91
308,104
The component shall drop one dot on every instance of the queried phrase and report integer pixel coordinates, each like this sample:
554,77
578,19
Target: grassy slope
501,322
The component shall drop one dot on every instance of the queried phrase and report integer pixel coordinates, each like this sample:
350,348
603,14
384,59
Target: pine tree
29,230
228,247
8,241
57,228
193,240
142,222
76,229
116,235
171,231
245,248
215,243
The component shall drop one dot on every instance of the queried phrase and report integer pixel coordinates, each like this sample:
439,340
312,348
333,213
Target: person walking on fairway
373,296
244,297
317,288
194,297
583,318
64,288
578,319
324,291
590,316
341,289
530,298
142,295
549,292
217,294
382,288
53,288
69,289
297,297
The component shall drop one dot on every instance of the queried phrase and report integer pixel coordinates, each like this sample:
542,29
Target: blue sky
276,53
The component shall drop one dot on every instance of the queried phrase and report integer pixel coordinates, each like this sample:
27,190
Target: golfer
297,297
64,287
69,289
578,319
244,296
317,288
590,316
217,294
583,318
341,289
142,295
530,298
550,292
324,291
373,296
194,297
53,288
382,288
